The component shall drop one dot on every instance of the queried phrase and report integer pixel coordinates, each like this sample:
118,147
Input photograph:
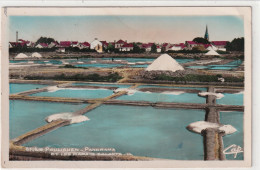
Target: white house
127,47
158,49
95,43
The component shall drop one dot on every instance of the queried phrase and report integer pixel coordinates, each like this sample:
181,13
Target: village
126,90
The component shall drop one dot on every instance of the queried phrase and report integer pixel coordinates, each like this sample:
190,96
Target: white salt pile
67,116
131,63
221,79
21,55
91,61
212,52
36,55
129,91
173,92
218,95
53,88
164,63
64,62
80,62
199,126
30,62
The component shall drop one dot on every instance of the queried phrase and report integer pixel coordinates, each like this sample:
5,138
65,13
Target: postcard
155,87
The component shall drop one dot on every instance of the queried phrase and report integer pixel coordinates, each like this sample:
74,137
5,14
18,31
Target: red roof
65,43
104,43
120,42
86,44
44,44
158,46
18,43
182,45
74,42
128,45
207,45
219,42
165,44
146,45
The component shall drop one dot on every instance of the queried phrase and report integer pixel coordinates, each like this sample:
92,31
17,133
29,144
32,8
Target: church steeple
206,36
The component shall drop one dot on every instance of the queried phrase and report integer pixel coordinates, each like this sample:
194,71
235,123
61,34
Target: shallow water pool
175,87
17,87
77,93
163,97
231,99
99,65
106,85
28,115
236,120
142,131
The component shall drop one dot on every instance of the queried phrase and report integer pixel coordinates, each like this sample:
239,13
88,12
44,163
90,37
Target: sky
159,29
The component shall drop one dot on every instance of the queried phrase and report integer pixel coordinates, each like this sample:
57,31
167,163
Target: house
74,43
65,44
83,45
166,46
53,44
20,43
42,45
147,47
13,44
158,49
119,44
61,50
190,44
104,44
220,45
97,45
127,47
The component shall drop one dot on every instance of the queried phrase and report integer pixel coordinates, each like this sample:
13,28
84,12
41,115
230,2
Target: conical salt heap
21,55
164,63
212,52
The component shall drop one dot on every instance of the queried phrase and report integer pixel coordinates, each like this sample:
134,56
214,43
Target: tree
154,48
136,48
201,40
46,40
163,50
110,47
236,44
199,48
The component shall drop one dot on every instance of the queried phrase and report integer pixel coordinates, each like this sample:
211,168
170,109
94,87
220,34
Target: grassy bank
197,78
114,77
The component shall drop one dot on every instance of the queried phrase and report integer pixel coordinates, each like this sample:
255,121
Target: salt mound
21,55
199,126
129,91
37,55
228,129
164,63
173,92
53,88
212,52
67,116
218,95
